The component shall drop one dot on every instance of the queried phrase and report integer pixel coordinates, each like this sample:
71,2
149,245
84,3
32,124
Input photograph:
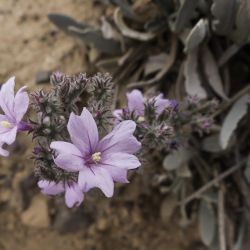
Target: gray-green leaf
224,13
212,72
207,222
211,144
196,35
192,79
176,159
86,33
237,112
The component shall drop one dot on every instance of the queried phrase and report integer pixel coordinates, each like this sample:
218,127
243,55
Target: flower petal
69,162
161,103
117,174
121,139
51,187
65,148
136,102
73,195
83,131
3,152
9,135
120,160
96,176
21,103
7,97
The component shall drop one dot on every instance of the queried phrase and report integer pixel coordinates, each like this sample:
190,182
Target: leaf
207,223
181,18
196,35
211,144
239,243
155,63
241,33
176,159
192,81
224,13
247,169
86,33
63,22
237,112
128,32
212,73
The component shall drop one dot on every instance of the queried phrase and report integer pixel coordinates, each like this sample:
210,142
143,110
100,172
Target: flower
99,163
73,193
136,104
14,108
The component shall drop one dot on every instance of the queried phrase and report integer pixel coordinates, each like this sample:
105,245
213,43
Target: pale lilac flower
73,193
3,152
99,163
14,108
136,104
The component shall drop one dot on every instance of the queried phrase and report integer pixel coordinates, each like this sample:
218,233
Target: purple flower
99,163
73,193
14,108
136,104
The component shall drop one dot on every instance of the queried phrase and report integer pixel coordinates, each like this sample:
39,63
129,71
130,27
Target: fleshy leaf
247,169
212,73
224,13
86,33
211,144
237,112
193,82
181,18
207,222
241,34
196,35
177,159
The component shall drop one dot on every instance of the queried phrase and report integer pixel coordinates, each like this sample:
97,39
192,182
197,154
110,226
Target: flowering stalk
74,150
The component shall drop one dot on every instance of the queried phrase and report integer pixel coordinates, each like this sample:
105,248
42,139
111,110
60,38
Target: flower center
96,157
5,124
141,119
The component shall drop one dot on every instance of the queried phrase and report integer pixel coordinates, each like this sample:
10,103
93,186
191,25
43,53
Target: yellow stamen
5,124
96,157
141,119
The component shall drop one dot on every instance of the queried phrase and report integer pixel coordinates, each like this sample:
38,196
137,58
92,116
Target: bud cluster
53,110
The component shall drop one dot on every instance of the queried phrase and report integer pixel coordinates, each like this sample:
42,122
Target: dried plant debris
196,53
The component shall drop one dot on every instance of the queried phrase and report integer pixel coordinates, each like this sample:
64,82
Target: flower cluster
74,153
153,117
14,108
72,156
98,163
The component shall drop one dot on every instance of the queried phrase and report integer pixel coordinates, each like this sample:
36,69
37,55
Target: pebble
37,215
43,77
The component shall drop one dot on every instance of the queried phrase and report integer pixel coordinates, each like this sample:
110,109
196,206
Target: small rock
37,215
43,77
5,195
102,225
